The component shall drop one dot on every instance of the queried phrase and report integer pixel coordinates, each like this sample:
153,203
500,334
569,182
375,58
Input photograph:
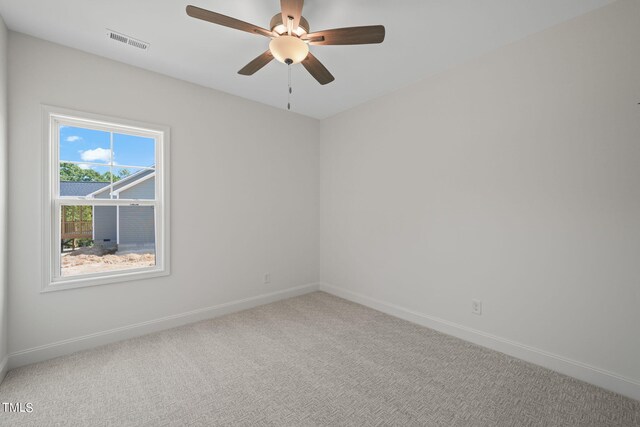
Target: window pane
82,180
128,183
84,145
98,239
134,150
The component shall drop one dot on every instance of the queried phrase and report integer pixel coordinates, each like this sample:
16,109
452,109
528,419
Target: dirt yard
74,264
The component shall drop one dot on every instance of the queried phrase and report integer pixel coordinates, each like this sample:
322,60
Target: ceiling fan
290,37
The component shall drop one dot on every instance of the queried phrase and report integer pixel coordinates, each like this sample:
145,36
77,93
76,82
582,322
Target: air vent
122,38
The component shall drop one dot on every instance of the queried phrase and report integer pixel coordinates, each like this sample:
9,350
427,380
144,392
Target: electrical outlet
476,307
267,278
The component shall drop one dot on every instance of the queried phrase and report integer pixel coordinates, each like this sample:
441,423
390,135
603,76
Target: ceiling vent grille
122,38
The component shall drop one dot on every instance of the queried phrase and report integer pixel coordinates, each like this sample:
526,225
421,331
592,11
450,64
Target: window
106,200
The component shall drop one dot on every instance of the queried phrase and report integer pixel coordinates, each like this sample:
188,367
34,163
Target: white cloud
73,138
84,166
99,154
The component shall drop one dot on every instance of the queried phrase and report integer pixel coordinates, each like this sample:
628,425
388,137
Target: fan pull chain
290,89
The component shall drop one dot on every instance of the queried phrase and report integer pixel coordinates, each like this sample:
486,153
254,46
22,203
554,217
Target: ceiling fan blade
293,9
226,21
317,70
256,64
351,35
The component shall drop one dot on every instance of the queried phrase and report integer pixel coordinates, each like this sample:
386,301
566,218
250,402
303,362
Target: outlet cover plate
476,307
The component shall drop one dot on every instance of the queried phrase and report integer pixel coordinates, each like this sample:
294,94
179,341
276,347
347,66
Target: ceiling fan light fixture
290,35
279,27
289,49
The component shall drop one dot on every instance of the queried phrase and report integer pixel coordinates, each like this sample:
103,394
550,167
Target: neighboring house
128,227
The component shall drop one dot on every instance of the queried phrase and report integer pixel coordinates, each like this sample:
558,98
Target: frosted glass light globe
288,47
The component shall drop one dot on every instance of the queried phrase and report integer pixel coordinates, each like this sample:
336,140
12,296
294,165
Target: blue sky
87,145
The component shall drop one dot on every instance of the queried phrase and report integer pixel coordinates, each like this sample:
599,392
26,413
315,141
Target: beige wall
513,179
244,195
3,198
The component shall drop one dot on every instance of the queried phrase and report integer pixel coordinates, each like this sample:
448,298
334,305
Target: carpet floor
306,361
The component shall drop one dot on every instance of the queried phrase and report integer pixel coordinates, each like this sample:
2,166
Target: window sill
83,282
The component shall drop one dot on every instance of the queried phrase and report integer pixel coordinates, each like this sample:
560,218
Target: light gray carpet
310,360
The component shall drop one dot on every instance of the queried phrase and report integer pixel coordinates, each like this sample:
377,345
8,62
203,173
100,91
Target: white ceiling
423,37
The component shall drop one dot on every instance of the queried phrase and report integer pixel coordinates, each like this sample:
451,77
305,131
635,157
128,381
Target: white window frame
53,118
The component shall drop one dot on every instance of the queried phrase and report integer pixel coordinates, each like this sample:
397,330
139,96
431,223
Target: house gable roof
80,188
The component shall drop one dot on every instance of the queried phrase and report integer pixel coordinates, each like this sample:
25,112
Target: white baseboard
68,346
4,367
590,374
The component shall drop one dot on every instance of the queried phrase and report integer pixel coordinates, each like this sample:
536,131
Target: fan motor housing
277,21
